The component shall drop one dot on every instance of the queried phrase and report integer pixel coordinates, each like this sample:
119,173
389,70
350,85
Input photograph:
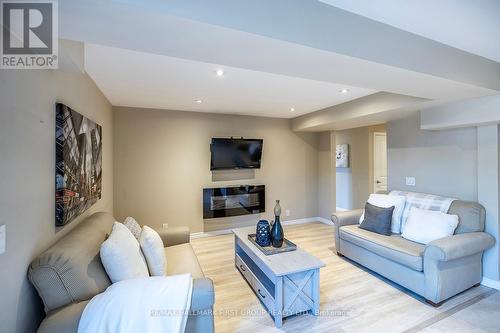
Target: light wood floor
352,298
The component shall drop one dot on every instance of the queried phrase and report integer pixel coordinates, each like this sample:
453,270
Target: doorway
379,161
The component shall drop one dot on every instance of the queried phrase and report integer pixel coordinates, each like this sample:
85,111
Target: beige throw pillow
152,247
121,255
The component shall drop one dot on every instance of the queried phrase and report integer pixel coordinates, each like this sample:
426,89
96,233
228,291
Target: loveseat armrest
173,235
349,217
458,246
340,219
203,296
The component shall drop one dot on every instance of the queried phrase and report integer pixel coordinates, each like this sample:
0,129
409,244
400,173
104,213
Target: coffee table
286,283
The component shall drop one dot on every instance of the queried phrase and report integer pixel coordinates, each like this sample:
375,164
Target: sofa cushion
62,320
181,260
393,247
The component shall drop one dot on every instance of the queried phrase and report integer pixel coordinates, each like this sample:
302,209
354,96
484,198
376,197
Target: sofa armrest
203,296
346,218
340,219
458,246
173,235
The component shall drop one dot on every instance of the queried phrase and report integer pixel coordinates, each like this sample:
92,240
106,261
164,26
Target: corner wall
27,172
162,163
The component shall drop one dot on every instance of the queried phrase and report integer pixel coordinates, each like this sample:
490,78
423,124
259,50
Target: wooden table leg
278,305
315,292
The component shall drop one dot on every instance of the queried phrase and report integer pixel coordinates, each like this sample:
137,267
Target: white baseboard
195,235
325,221
495,284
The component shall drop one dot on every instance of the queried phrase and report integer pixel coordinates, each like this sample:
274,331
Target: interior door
379,162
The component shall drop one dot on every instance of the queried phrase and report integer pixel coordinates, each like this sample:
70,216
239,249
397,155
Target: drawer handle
263,296
243,268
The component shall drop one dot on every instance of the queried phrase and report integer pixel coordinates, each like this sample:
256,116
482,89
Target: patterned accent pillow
133,226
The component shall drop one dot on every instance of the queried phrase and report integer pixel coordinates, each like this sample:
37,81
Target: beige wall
27,164
162,163
346,188
355,183
326,175
442,162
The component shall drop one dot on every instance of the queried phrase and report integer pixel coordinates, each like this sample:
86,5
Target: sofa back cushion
471,216
71,270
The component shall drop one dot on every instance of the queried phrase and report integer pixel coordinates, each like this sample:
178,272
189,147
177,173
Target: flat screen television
227,154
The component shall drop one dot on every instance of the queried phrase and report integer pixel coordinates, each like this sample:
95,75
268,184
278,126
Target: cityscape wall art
78,164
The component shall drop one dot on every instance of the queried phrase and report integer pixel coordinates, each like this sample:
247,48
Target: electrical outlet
164,225
287,212
3,231
410,181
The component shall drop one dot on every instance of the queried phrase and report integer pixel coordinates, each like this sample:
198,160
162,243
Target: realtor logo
29,34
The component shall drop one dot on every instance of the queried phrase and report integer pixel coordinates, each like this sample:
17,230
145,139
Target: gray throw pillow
377,219
133,226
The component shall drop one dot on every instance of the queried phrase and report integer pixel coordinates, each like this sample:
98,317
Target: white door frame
375,134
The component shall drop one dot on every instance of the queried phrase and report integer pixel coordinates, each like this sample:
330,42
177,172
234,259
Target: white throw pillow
423,226
152,247
121,255
386,201
133,226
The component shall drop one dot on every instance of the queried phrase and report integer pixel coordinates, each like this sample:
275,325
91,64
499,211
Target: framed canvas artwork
78,164
342,156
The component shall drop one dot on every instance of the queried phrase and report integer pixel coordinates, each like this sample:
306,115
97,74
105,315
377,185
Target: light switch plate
410,181
287,212
3,230
164,225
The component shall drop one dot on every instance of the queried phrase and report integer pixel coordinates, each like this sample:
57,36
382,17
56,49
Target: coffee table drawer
259,289
244,270
264,296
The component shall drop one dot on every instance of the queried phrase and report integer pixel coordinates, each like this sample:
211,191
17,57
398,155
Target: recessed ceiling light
292,109
199,101
219,72
344,91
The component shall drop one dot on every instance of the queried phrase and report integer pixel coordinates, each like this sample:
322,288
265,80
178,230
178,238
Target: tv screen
235,154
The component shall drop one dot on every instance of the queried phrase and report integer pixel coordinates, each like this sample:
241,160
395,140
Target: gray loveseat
436,271
70,273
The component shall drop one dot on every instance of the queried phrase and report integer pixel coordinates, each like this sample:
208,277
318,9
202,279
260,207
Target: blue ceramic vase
263,233
277,234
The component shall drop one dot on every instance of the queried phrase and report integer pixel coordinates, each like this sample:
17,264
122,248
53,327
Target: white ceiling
131,78
169,59
469,25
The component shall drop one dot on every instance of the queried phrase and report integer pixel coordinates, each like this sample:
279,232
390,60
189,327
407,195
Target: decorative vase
277,209
277,230
263,233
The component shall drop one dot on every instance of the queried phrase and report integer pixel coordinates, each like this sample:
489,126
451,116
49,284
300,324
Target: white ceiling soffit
131,78
369,110
109,23
472,26
331,45
318,25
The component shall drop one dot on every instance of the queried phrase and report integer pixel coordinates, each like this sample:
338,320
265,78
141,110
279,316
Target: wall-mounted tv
227,154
